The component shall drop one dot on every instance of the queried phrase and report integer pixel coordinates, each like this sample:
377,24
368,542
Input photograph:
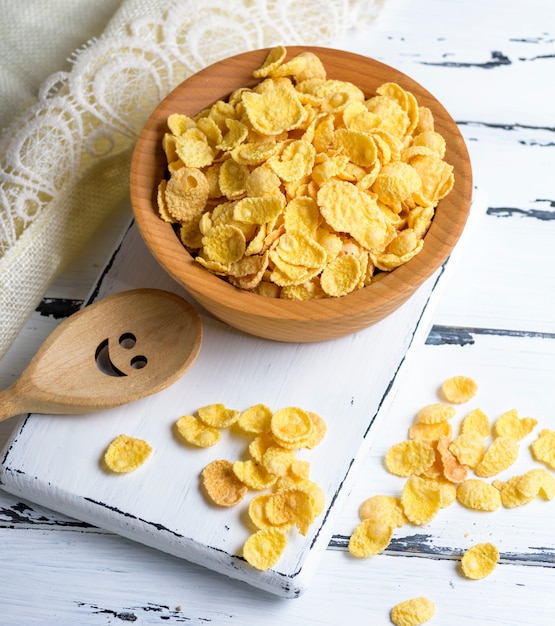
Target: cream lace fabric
64,160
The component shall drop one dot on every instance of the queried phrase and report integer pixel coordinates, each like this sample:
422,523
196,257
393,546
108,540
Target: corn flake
511,425
385,509
476,421
410,457
264,548
256,419
520,490
459,389
421,499
511,495
412,612
291,506
537,482
543,448
221,484
434,431
500,455
277,460
469,448
194,431
266,117
478,495
479,561
318,431
291,427
437,412
341,276
218,415
126,454
253,474
369,538
257,513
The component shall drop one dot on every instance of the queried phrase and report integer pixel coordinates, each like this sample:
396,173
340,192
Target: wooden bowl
290,320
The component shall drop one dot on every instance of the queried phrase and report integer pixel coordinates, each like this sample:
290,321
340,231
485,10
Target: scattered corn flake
300,468
522,489
291,506
317,432
436,468
412,612
543,448
291,427
257,513
315,492
125,454
385,509
499,456
256,419
511,495
478,495
261,443
221,484
453,469
409,457
459,389
479,561
476,421
277,460
420,430
218,415
511,425
369,538
447,493
469,448
538,482
253,474
196,432
435,412
264,548
421,499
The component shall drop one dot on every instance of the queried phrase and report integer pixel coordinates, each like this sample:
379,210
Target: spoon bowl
122,348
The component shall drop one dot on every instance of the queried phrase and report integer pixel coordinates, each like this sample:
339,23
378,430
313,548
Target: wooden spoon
119,349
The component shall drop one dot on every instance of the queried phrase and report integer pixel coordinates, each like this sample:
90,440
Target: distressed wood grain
490,64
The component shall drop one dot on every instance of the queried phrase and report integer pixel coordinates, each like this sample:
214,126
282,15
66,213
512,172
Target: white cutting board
55,460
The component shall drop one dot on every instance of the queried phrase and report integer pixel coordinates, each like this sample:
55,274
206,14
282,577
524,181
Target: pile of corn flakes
304,187
294,501
437,466
290,499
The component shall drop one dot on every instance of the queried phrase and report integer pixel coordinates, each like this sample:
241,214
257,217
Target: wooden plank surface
490,64
54,460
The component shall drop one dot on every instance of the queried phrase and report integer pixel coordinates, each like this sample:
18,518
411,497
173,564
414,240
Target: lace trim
93,113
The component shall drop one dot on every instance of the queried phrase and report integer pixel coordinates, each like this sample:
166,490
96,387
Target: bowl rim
197,280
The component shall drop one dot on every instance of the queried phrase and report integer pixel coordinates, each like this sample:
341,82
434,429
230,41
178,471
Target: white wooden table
492,64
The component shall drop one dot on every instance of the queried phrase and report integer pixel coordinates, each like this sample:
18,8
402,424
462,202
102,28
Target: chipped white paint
490,64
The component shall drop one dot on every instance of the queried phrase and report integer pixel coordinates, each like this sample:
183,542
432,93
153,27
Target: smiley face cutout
118,356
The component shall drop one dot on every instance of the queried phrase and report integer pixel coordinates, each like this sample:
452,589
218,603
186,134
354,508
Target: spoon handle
12,403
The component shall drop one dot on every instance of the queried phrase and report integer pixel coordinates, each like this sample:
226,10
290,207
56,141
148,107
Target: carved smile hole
104,362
